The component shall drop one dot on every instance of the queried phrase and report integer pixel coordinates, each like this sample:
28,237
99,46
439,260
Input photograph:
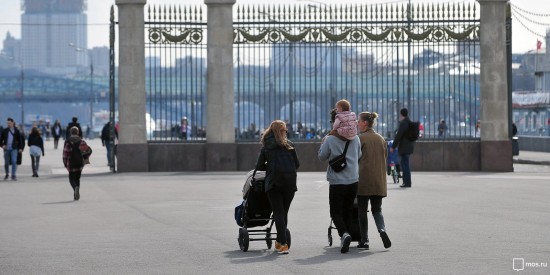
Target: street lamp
79,49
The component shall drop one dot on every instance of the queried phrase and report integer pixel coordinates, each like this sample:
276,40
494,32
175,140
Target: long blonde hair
278,129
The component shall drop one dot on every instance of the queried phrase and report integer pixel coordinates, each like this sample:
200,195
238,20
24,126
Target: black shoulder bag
339,163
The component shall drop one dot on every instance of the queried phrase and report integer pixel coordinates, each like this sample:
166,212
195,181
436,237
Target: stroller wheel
329,236
243,239
268,240
288,238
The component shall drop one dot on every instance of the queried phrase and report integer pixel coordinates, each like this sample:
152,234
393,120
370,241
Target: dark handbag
339,163
19,157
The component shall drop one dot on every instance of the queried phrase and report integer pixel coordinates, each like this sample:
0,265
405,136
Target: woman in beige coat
372,178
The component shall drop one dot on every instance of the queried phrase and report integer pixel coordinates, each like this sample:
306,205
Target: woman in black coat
278,158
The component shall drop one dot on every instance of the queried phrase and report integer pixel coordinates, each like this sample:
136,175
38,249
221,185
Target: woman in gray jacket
372,178
343,184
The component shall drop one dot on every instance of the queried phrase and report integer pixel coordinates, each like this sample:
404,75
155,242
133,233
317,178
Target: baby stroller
393,168
255,211
354,230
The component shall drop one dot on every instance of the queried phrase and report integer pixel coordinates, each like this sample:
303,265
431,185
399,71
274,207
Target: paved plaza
182,223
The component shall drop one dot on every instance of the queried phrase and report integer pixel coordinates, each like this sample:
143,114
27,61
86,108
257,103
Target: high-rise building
51,31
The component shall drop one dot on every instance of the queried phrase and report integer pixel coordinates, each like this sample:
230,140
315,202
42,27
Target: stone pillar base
133,157
496,156
221,157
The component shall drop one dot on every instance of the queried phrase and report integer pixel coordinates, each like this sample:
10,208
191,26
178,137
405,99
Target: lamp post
91,96
22,96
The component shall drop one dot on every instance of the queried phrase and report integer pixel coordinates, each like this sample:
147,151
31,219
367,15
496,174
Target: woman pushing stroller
278,158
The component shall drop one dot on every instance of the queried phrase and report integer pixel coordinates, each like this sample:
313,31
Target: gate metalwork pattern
175,73
293,62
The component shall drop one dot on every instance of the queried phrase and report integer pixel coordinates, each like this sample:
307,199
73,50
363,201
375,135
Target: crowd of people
356,172
76,152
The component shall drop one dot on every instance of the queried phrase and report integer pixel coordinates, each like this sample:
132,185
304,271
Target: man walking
72,124
404,145
12,143
106,140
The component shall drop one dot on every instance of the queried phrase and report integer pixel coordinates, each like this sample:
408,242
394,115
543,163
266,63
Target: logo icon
518,264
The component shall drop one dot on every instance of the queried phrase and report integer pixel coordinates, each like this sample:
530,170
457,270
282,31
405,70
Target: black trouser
280,199
35,162
376,208
340,198
55,142
74,179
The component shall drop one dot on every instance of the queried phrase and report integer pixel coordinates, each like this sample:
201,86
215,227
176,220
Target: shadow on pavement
58,202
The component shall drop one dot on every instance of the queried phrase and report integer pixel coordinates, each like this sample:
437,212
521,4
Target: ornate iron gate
294,62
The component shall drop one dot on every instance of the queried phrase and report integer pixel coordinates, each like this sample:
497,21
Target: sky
530,18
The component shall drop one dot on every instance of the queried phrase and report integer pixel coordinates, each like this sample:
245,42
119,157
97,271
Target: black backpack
76,158
414,130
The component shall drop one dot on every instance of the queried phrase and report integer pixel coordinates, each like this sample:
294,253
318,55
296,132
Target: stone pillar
496,146
221,150
132,149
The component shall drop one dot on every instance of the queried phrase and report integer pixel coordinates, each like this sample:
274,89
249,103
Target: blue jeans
406,168
10,157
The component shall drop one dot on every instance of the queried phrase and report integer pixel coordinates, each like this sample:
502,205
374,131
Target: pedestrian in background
404,145
48,130
372,178
13,143
75,152
278,158
107,140
343,184
36,149
73,123
442,129
57,132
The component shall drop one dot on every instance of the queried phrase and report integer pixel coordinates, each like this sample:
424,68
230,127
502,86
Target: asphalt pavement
182,223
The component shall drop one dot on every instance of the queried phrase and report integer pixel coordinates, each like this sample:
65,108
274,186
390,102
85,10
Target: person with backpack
279,159
75,154
404,140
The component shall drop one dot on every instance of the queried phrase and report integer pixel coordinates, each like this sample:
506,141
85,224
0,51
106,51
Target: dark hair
332,115
10,119
75,119
35,131
368,117
404,112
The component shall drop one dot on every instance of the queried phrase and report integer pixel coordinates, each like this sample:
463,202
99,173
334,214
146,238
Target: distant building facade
48,30
531,108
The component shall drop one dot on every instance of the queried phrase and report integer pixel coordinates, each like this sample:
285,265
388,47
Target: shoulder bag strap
346,148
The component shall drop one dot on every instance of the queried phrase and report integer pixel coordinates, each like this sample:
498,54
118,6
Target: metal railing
295,62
